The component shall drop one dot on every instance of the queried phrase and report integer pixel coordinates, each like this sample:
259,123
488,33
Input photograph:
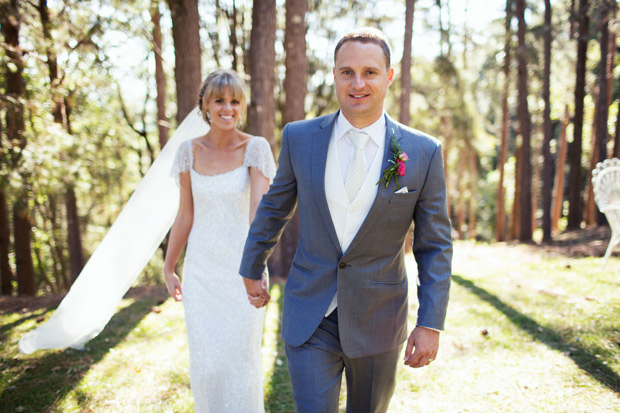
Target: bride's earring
208,116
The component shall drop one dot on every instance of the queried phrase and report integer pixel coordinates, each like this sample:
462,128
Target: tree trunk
6,274
163,125
525,232
610,74
617,134
536,178
160,75
471,225
460,207
606,68
73,234
547,172
575,189
473,196
446,130
605,80
47,217
23,254
515,218
295,87
57,242
296,61
245,45
572,19
9,25
444,33
405,89
233,37
186,38
262,110
261,68
500,211
42,271
10,21
558,186
600,131
52,63
589,214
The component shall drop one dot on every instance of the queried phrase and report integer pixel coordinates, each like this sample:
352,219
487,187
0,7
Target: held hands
426,343
258,290
174,286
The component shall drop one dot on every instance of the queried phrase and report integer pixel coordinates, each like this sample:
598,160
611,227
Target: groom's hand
258,291
426,343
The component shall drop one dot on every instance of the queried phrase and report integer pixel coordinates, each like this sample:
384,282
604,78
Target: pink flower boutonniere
398,167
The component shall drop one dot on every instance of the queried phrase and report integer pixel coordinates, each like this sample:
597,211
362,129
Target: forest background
522,94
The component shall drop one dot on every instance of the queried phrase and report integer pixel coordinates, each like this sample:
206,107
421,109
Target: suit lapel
320,143
383,194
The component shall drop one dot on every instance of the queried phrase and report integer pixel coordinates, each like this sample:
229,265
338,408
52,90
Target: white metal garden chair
606,184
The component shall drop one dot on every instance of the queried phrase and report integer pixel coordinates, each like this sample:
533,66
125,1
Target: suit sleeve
274,211
432,246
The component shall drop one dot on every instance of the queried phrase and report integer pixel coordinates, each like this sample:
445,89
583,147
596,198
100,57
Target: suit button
342,265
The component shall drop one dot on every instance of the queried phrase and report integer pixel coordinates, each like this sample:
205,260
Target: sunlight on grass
526,331
515,336
153,360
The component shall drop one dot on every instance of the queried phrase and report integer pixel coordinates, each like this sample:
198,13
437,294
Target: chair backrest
606,184
613,218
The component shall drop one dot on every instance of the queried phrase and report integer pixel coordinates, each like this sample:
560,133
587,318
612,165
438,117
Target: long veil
122,254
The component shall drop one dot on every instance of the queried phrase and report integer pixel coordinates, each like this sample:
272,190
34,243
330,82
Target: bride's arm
178,236
259,185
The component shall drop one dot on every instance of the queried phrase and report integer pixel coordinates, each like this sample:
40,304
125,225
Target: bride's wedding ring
429,360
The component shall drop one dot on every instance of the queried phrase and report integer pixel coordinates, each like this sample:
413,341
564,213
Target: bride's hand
174,286
264,281
258,290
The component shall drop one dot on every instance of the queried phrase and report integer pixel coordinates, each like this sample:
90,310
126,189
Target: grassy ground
527,331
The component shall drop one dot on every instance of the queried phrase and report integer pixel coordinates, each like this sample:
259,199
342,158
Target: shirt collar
376,130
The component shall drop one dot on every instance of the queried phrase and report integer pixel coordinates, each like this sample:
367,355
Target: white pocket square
402,190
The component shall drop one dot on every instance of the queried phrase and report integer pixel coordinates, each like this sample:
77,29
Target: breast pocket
404,198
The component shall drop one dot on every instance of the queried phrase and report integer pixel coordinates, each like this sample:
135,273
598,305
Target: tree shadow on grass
41,382
587,361
280,396
6,328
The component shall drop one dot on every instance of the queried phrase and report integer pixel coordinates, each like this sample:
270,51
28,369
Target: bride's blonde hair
216,84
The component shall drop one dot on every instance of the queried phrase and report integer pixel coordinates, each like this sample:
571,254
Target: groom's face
361,78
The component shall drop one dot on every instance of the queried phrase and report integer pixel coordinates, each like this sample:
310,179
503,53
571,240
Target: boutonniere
397,167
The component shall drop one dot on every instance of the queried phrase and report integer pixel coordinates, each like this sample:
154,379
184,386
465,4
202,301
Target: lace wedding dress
224,331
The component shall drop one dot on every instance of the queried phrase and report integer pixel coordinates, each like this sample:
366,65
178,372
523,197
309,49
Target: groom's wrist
251,276
429,328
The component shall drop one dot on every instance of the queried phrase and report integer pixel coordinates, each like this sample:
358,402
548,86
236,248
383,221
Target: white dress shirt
348,216
376,131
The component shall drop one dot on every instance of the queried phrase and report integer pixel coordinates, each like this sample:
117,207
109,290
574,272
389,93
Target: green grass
526,332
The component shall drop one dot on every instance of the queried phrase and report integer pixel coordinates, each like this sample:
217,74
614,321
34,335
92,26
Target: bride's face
224,110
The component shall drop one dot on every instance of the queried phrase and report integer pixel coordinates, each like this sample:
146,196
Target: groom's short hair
366,35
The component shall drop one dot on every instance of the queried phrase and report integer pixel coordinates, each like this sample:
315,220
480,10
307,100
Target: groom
345,302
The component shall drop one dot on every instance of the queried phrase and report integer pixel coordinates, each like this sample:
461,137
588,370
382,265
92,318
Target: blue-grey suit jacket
369,277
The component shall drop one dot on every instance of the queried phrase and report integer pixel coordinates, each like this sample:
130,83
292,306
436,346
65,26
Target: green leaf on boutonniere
397,167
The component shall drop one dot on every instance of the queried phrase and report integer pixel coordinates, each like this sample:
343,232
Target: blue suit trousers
316,369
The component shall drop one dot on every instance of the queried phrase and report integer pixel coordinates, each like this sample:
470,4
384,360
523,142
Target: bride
222,176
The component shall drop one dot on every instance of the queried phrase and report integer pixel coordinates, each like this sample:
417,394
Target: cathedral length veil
124,251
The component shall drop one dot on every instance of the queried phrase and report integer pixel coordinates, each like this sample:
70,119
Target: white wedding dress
224,331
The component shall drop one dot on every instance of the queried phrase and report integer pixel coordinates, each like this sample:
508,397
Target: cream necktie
356,172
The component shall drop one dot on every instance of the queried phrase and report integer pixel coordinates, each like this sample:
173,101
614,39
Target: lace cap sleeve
259,155
183,161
